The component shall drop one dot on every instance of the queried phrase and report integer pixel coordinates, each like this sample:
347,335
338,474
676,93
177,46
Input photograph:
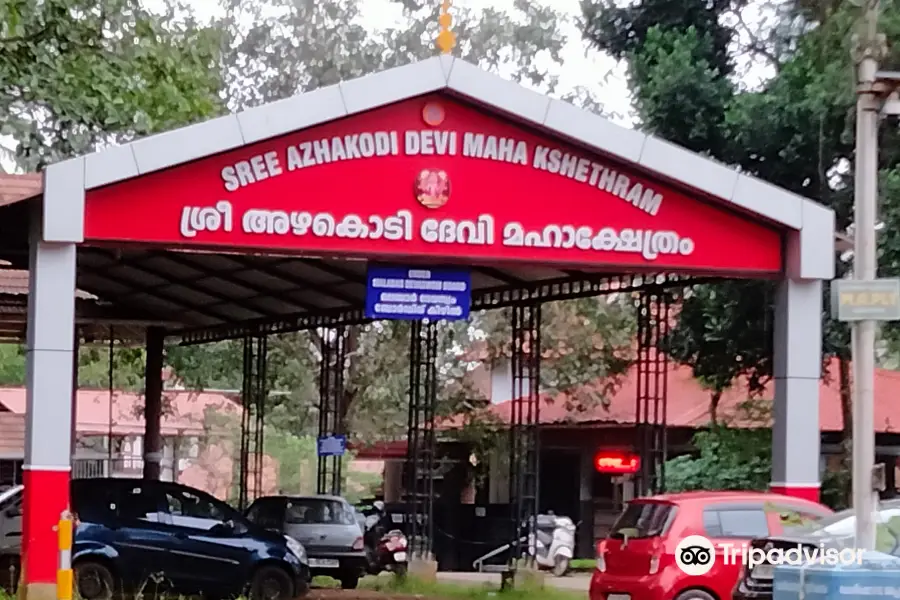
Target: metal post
332,373
652,390
421,455
867,53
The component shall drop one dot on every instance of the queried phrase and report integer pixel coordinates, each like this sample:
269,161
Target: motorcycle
390,554
386,550
552,545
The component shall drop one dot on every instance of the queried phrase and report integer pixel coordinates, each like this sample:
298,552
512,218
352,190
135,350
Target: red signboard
430,178
616,463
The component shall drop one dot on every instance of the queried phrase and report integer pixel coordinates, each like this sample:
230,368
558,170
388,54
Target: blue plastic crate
876,577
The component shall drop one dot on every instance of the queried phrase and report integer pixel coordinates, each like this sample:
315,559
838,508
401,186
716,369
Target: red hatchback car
637,560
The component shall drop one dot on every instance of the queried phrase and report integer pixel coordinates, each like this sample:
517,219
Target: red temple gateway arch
437,162
437,178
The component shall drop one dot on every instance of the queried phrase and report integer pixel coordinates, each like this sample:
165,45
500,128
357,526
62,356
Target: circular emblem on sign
433,114
432,188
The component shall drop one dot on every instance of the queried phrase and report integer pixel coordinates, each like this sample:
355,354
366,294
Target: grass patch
583,565
322,582
463,591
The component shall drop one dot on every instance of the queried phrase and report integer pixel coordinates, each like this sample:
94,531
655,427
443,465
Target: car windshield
642,520
318,511
194,508
840,528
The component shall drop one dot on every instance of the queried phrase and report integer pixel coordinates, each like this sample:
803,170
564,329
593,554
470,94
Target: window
190,509
267,513
94,501
711,523
643,520
796,520
318,512
736,523
139,502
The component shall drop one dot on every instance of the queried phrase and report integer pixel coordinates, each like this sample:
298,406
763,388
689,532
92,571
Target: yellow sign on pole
854,300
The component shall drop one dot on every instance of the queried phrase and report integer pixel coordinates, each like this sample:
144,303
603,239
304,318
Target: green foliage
291,47
726,457
623,31
794,130
12,364
78,74
835,489
722,351
93,367
584,341
666,74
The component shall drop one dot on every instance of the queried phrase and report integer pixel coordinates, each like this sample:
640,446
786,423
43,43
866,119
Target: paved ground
576,583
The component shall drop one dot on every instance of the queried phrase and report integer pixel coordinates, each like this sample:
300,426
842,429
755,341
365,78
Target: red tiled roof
12,434
688,402
184,412
14,188
14,282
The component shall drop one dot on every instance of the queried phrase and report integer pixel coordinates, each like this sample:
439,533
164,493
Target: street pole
867,52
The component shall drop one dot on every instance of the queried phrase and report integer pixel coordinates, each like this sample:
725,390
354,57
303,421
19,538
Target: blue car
159,537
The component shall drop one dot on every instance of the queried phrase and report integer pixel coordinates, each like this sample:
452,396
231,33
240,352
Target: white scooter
552,545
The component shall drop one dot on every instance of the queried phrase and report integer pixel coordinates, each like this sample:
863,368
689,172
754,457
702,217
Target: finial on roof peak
446,39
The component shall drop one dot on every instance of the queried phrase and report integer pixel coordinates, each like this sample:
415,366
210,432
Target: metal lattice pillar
652,390
524,433
332,369
420,458
253,403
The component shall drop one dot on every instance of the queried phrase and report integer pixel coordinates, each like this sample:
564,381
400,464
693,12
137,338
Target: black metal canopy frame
333,366
253,396
203,296
652,299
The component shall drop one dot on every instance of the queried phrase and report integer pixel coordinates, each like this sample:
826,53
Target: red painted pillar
49,359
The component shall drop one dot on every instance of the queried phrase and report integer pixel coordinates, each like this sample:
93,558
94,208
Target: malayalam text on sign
407,293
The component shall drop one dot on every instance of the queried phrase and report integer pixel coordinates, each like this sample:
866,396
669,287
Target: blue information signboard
413,293
332,445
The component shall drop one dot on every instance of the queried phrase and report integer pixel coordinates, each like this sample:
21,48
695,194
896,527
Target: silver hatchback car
328,528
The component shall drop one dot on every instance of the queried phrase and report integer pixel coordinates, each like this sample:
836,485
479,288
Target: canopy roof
226,294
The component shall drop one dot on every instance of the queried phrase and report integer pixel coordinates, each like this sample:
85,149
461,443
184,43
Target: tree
790,131
725,352
794,130
79,74
93,367
278,48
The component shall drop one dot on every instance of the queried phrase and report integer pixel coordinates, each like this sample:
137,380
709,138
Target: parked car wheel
94,580
271,583
349,581
695,595
560,566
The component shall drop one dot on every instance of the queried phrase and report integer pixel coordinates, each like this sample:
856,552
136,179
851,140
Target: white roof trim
590,130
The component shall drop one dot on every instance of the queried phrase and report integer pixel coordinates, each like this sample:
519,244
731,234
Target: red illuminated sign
619,463
431,178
